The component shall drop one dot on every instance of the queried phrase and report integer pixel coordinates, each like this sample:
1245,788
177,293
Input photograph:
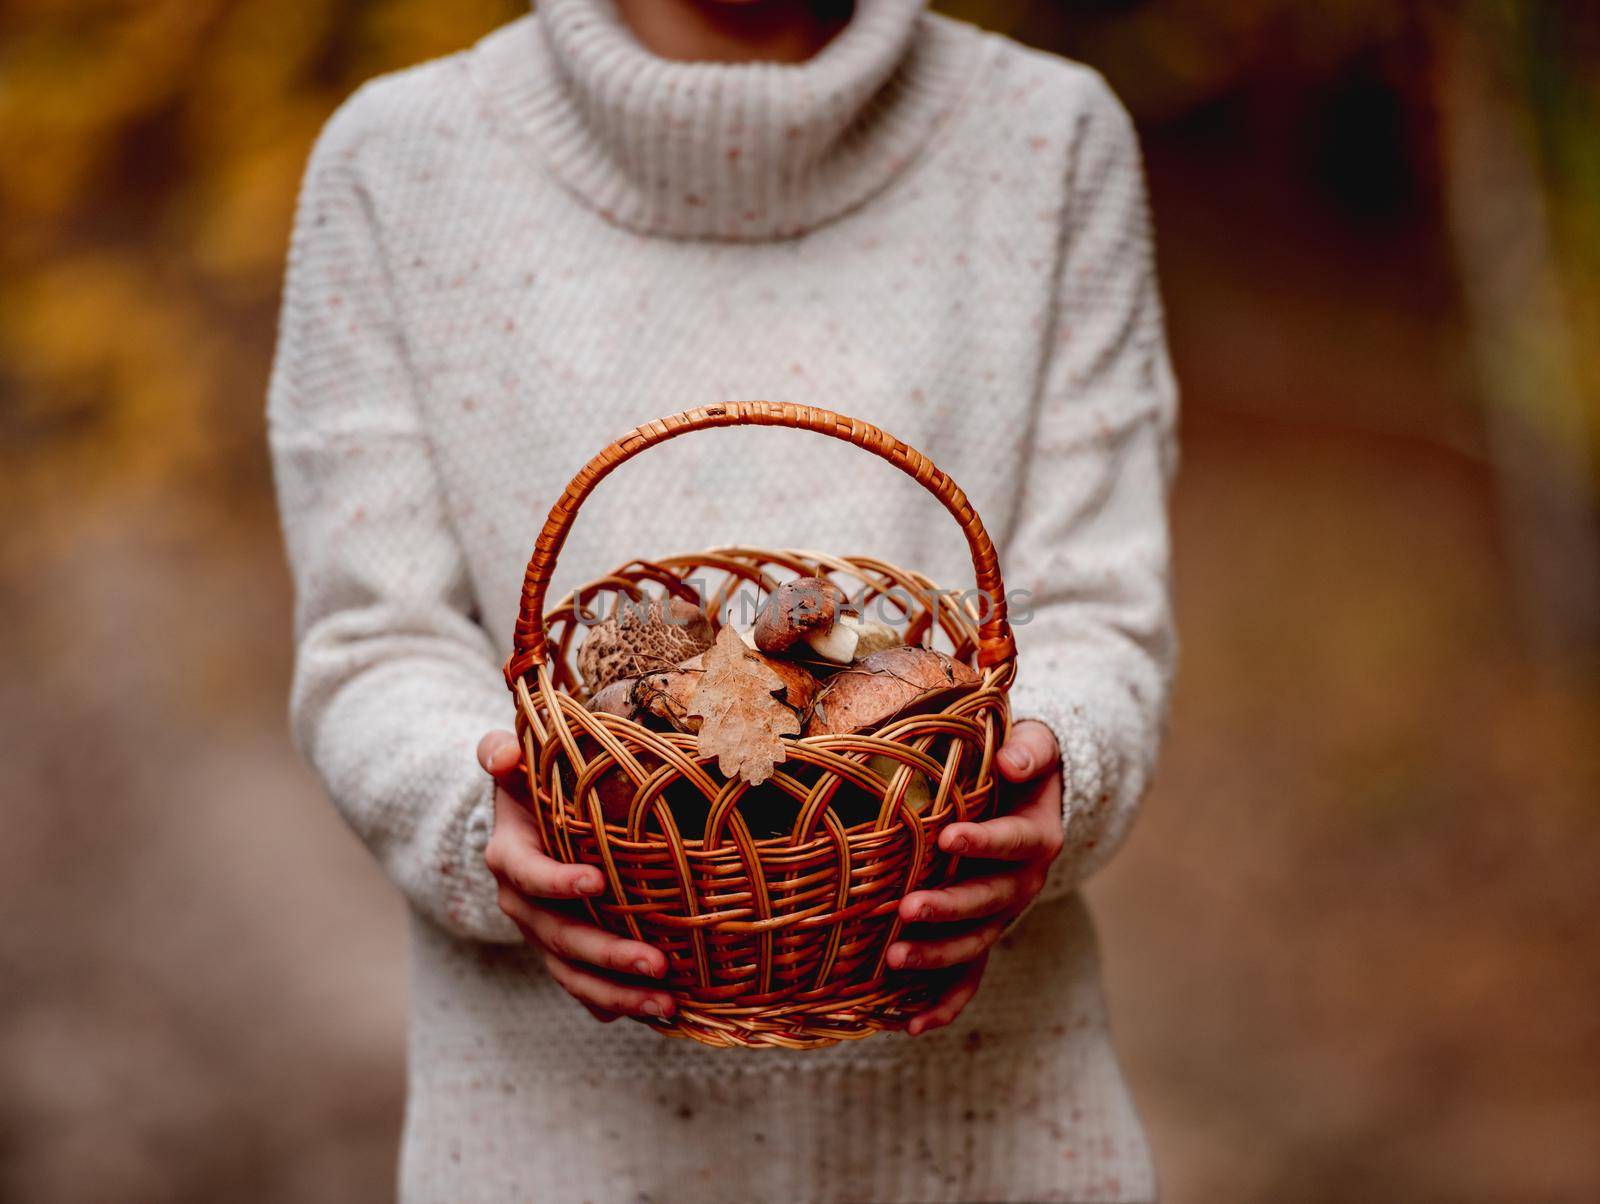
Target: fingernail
960,844
650,1008
1019,761
924,912
643,966
914,1027
591,884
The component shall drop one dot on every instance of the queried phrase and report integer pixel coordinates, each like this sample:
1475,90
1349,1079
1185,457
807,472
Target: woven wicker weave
773,937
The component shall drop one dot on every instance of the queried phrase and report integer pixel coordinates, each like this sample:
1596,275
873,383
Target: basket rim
845,764
955,712
995,643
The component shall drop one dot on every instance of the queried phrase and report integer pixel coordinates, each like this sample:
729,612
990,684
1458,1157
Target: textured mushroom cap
635,641
873,636
795,609
877,688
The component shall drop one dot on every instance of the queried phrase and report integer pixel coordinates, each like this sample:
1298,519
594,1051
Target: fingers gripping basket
771,940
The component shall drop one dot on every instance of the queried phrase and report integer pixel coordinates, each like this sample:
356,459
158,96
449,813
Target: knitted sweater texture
505,258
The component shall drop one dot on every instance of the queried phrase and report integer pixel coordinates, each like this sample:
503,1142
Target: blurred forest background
1351,945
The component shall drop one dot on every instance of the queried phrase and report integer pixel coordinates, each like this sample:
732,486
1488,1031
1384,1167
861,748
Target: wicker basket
771,940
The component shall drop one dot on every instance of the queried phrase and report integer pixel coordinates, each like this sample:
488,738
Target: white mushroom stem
838,642
850,638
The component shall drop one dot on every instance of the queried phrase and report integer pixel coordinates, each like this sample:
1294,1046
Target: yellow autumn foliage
153,150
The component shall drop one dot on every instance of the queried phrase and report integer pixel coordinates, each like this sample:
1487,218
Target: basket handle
995,645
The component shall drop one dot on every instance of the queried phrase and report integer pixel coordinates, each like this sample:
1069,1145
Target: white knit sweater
505,258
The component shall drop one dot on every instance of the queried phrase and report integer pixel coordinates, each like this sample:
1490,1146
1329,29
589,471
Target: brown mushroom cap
799,687
638,640
876,688
615,699
666,695
795,610
616,790
614,787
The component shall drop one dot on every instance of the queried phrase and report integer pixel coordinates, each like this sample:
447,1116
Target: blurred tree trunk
1497,58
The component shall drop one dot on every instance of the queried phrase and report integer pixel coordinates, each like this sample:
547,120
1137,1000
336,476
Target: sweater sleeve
1095,641
395,680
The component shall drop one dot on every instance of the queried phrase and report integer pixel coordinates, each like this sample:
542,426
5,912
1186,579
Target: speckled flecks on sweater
504,259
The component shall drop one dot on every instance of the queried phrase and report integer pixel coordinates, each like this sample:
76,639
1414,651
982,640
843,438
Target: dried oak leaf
739,703
668,696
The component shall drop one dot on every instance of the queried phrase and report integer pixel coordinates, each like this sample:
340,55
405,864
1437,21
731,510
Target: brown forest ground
1348,946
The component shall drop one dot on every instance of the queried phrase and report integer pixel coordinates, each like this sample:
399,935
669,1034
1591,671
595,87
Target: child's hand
536,893
1011,855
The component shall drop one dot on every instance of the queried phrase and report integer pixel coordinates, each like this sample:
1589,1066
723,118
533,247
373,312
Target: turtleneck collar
727,150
